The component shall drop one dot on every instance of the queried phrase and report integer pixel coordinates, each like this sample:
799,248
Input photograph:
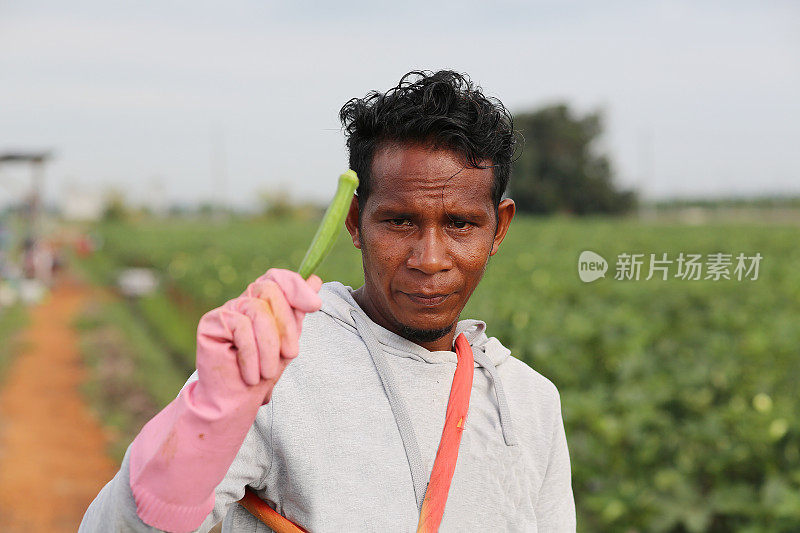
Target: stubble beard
424,335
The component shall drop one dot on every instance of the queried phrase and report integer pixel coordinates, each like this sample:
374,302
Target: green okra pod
331,223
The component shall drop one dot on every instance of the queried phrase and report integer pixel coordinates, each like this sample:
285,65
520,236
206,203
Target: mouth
427,300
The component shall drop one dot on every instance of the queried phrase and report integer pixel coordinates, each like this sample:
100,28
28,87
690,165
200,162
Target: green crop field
680,397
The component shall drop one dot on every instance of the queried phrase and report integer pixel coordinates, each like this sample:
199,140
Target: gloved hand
184,452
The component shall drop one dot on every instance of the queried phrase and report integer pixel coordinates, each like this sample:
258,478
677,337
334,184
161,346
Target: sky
188,102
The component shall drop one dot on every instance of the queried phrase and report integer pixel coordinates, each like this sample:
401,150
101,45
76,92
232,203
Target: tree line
559,167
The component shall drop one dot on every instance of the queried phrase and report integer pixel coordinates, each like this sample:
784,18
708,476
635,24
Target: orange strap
274,520
445,463
443,466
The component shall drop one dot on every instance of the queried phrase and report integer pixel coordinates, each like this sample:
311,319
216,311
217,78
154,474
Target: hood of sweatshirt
338,303
488,353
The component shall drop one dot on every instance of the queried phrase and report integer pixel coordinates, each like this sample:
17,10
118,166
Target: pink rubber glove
184,452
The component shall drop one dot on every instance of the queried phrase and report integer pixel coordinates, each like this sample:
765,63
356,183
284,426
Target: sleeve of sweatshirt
555,507
114,508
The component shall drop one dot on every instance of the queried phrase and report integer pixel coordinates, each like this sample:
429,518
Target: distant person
44,261
29,257
84,246
5,245
347,439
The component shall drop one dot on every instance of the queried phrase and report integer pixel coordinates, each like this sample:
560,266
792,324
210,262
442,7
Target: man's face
426,233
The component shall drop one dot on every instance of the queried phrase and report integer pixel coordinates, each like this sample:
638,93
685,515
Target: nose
430,253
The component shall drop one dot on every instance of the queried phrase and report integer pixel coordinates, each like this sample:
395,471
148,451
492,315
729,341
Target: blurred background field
679,396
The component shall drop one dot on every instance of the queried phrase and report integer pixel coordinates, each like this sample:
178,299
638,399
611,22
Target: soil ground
53,450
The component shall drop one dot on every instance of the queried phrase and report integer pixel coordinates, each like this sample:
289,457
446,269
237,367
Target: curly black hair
442,109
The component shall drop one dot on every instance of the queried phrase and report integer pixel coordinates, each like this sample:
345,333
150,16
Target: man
345,438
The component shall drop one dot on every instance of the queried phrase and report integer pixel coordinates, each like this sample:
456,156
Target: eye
398,221
459,224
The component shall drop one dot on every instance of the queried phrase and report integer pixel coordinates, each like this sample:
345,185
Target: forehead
409,175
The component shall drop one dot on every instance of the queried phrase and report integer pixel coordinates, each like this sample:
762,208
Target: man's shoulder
534,401
527,384
324,328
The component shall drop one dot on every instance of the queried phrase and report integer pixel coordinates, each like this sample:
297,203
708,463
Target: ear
505,213
351,222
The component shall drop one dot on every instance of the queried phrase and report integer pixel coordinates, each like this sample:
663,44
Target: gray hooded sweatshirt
348,440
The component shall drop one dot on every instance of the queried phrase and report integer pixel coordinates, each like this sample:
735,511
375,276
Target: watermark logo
684,266
591,266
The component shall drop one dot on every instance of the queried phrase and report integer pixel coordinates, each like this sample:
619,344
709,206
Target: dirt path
53,458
